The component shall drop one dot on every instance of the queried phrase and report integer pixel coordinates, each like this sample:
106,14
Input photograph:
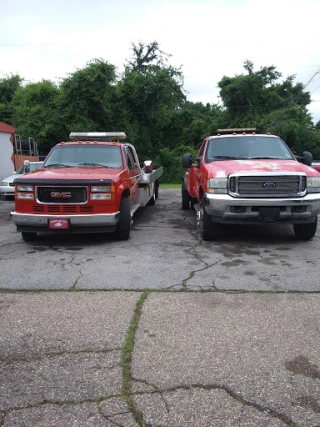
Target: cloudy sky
41,39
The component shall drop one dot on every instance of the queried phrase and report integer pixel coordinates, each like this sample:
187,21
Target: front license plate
269,214
58,223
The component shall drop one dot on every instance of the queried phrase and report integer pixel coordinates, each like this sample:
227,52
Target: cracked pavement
161,331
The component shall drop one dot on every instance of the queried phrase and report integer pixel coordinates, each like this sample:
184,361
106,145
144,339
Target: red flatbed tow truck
90,184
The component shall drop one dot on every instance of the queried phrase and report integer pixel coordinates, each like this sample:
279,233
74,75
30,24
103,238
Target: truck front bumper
77,223
224,208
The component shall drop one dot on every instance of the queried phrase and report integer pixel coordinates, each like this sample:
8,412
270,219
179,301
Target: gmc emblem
58,195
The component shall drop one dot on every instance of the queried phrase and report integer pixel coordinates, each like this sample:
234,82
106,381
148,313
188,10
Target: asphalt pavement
162,330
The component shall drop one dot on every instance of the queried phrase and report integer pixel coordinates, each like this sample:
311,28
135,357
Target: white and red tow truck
94,183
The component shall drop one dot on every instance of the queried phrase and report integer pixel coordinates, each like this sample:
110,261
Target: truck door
134,175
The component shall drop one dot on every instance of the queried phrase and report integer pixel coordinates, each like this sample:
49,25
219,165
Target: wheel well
200,193
126,193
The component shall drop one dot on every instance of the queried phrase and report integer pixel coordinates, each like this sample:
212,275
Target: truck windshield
106,156
247,147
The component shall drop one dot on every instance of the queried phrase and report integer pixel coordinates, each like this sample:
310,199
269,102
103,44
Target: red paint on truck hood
226,167
73,173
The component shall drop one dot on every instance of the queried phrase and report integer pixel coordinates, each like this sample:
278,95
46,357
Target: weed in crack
127,361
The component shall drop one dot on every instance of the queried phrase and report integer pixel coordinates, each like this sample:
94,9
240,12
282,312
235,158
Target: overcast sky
42,39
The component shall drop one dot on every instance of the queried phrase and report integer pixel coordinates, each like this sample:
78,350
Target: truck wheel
185,197
28,237
208,229
156,189
124,224
152,201
305,231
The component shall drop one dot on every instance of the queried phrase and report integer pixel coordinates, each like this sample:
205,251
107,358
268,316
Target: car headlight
217,185
4,184
313,184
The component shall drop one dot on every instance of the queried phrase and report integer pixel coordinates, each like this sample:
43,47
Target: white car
7,185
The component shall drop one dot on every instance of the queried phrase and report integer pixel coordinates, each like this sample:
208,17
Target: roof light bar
236,130
97,136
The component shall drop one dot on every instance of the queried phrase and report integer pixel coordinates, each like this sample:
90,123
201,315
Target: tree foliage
8,87
149,103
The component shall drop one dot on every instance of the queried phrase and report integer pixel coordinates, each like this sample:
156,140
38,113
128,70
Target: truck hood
73,174
227,167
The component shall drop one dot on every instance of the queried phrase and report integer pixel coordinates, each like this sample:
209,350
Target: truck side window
131,153
200,153
129,160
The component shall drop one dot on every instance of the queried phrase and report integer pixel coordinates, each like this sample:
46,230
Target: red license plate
58,223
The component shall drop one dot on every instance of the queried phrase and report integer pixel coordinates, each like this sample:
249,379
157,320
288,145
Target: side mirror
186,160
148,166
26,166
307,158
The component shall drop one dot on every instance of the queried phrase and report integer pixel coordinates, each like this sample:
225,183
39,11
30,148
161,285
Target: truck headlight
25,196
24,188
4,184
313,184
100,196
101,188
217,185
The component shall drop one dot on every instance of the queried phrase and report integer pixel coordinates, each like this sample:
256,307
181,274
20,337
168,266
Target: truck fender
124,191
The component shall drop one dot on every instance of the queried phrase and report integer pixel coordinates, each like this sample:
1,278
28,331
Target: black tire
156,189
124,223
185,196
28,237
152,201
11,198
209,231
305,231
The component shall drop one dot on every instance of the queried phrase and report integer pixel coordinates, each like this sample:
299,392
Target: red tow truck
93,183
242,177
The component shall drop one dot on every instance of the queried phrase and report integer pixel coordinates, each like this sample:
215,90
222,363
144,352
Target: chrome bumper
36,220
230,208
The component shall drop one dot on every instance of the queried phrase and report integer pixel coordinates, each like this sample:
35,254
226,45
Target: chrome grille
269,185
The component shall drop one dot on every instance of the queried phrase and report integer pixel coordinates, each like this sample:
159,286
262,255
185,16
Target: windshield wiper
92,164
57,165
227,158
268,158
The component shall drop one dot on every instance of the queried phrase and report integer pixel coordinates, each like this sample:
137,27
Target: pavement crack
70,402
127,361
9,360
236,396
192,273
78,270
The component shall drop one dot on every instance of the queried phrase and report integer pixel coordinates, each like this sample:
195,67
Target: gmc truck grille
62,209
62,195
267,185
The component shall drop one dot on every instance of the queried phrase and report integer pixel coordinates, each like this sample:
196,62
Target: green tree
259,99
87,97
148,94
35,112
8,87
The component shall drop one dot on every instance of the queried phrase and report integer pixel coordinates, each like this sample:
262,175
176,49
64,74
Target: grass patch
170,185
